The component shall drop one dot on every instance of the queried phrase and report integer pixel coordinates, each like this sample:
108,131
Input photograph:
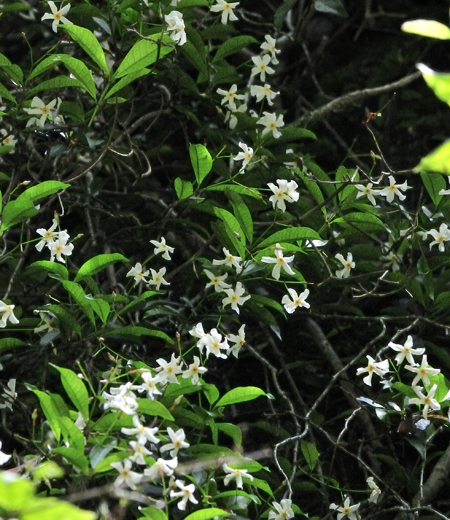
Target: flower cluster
175,24
42,112
394,189
285,191
55,241
214,343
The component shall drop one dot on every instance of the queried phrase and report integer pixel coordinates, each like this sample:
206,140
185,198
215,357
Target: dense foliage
213,305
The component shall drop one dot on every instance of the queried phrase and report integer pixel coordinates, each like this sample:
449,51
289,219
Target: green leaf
438,82
242,213
144,53
122,83
136,331
195,58
58,82
265,301
183,189
154,408
89,43
13,7
232,46
14,72
77,293
7,343
47,470
240,394
404,389
237,188
65,317
436,161
281,12
56,268
17,211
201,161
4,92
99,263
74,457
72,434
152,512
75,389
361,222
73,65
310,454
50,411
290,235
207,514
211,392
233,229
312,187
330,7
142,298
433,182
442,388
112,422
183,4
233,431
428,28
261,484
291,134
42,190
100,307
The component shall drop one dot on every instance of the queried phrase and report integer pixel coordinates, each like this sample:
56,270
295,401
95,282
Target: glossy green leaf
154,408
240,394
207,514
433,182
330,7
290,235
310,454
132,330
7,343
361,222
437,81
195,58
89,43
65,317
183,189
54,83
291,134
152,512
428,28
237,188
261,484
232,46
126,80
4,92
242,213
75,389
201,161
233,229
50,411
281,12
77,293
144,53
436,161
56,268
75,457
43,189
211,392
72,435
13,7
312,187
233,431
17,211
99,263
140,299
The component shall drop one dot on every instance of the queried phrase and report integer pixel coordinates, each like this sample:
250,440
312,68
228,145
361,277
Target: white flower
392,260
176,24
367,191
143,433
238,341
194,371
218,282
406,351
200,334
261,66
121,398
285,191
160,468
347,264
177,443
380,368
269,46
279,261
138,274
8,140
234,297
167,372
272,123
162,247
229,96
158,278
427,401
441,236
263,92
230,260
7,313
47,325
394,189
227,10
445,192
48,235
375,490
422,371
3,456
9,395
57,15
126,476
39,108
139,451
60,247
214,344
186,493
231,118
235,474
149,385
346,510
245,156
296,300
283,510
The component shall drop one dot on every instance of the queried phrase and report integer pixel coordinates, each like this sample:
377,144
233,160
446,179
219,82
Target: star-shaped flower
271,123
158,278
126,476
346,510
295,301
406,351
162,247
378,367
238,341
138,274
279,261
57,15
263,92
216,281
367,191
440,237
283,510
394,189
422,371
234,297
347,264
285,191
245,156
177,442
261,66
227,10
229,96
235,474
269,46
375,491
427,401
176,26
230,260
7,313
43,111
186,493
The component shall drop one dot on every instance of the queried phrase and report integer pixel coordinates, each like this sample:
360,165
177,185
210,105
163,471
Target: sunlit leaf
240,394
428,28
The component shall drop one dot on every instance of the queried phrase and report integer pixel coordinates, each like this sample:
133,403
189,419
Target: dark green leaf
89,43
240,394
98,263
232,46
75,389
